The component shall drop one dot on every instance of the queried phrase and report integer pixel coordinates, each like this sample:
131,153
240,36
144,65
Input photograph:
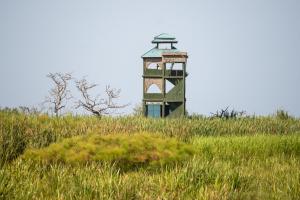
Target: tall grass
52,128
247,158
220,170
12,139
18,130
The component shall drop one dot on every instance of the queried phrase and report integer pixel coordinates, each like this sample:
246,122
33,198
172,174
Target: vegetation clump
12,141
282,115
126,151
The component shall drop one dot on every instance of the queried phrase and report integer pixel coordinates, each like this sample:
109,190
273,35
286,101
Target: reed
243,158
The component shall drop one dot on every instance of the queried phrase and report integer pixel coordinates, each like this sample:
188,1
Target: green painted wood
153,96
176,93
153,72
176,110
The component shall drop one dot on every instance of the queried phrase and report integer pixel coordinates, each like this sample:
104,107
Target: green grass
125,151
249,158
233,167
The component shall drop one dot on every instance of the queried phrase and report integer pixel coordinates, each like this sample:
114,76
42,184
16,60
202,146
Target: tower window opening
154,66
174,66
165,46
153,88
169,85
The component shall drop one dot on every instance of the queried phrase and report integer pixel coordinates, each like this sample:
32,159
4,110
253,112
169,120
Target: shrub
282,115
226,114
126,151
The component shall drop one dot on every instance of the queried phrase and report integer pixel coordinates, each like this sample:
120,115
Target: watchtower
164,73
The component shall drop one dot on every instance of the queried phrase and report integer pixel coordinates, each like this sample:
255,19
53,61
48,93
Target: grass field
247,158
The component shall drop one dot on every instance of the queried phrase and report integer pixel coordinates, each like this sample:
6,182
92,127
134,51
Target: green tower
164,73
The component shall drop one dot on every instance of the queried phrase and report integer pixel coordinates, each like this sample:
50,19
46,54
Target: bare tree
96,105
138,110
59,94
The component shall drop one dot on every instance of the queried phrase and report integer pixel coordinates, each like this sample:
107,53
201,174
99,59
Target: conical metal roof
157,53
164,38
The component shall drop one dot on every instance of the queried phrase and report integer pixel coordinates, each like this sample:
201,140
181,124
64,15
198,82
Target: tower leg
144,109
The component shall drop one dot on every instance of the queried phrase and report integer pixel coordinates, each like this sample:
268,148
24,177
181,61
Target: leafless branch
59,94
96,105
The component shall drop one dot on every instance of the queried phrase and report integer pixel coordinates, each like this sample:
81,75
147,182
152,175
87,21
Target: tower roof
157,53
164,38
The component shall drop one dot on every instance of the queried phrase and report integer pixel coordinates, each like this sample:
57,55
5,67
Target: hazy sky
243,54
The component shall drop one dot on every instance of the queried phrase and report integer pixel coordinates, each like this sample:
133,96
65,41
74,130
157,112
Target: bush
227,114
282,115
126,151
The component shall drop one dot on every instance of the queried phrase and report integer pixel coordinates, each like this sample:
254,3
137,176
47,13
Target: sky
242,54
